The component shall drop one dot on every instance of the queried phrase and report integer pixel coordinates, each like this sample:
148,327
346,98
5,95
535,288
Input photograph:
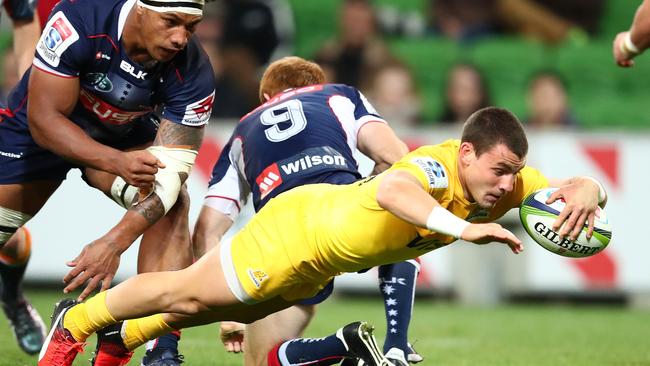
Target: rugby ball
537,218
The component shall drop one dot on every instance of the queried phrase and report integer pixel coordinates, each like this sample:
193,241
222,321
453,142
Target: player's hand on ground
488,233
622,58
138,168
581,197
232,336
95,266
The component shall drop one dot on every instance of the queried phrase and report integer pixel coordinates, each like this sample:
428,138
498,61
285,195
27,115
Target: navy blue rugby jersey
82,39
301,136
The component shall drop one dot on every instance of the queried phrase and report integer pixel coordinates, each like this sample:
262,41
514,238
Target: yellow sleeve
429,171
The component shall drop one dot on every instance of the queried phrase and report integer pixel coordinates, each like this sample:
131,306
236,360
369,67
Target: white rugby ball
537,217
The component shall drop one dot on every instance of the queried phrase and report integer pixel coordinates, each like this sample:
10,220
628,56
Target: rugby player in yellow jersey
304,237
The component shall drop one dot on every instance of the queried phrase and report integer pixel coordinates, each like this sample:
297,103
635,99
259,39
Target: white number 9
289,111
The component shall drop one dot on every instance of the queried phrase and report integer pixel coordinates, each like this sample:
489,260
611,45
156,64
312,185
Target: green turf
448,334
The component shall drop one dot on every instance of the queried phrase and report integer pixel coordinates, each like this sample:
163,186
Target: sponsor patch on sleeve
434,171
57,36
198,113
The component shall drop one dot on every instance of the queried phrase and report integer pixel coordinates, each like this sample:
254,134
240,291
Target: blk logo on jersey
57,36
125,66
198,113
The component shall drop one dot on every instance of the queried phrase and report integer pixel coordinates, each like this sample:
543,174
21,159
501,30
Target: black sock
12,282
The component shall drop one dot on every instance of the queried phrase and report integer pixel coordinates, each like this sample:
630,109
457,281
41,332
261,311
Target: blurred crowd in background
428,62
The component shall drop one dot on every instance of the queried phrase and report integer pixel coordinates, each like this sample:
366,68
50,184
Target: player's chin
488,201
165,54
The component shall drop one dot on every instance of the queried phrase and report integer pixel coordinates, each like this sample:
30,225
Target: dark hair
492,126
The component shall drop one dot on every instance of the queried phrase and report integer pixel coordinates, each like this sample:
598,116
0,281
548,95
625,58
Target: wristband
444,222
601,190
628,46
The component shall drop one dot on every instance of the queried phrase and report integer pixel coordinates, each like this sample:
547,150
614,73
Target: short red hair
289,72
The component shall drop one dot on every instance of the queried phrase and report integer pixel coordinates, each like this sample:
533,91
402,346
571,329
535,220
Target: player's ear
466,153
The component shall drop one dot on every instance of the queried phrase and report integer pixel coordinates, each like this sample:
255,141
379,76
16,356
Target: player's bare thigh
27,198
262,335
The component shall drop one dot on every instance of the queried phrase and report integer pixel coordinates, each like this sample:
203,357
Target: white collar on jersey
124,12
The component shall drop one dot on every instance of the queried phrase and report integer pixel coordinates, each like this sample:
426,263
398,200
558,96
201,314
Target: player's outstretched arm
177,145
582,195
379,142
629,44
51,99
402,194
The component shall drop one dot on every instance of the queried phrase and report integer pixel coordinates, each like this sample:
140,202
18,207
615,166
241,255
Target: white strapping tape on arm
444,222
123,193
168,182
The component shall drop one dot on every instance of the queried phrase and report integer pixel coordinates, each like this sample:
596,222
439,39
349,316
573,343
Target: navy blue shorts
22,160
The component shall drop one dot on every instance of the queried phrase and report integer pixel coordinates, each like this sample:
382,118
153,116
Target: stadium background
610,143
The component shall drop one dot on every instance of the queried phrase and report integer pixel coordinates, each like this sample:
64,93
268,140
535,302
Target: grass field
444,333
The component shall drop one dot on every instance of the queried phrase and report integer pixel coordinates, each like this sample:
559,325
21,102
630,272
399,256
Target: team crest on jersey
258,276
100,82
435,172
58,35
198,113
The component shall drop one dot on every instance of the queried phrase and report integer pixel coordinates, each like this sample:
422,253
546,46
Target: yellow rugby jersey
348,230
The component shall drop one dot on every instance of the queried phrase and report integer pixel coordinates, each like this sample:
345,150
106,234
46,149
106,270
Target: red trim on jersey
272,357
6,112
20,106
225,198
178,73
104,35
59,75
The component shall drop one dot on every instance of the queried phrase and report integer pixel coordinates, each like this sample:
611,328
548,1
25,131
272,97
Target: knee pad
10,221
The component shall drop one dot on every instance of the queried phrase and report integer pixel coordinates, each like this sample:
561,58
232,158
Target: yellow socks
137,332
86,318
